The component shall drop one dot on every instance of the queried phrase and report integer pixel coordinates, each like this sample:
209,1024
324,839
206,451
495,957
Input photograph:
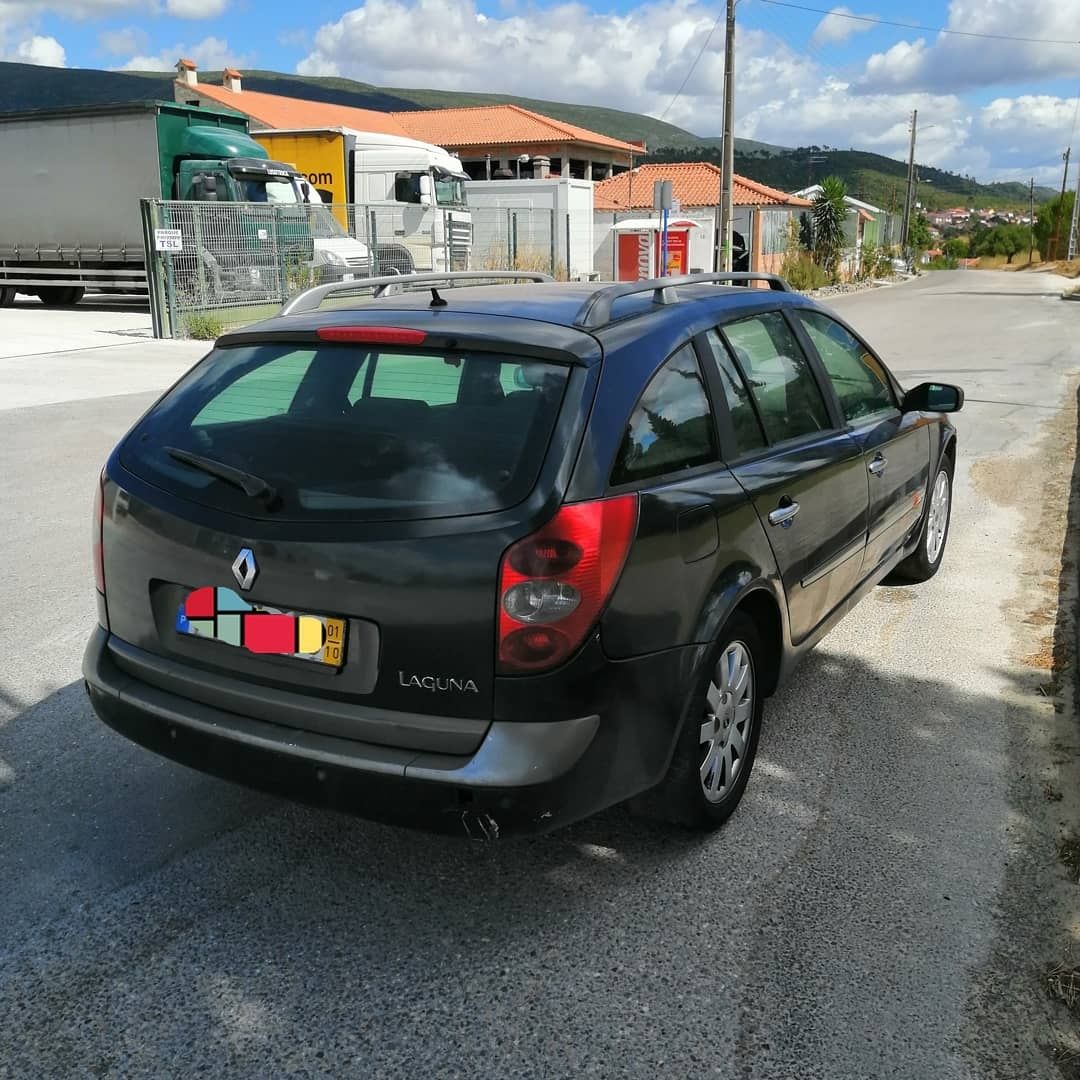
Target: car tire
925,561
707,777
7,296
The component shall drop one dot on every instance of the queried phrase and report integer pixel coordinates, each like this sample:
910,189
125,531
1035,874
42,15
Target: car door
692,513
804,473
895,445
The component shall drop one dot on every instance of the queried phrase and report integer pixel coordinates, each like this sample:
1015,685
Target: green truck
74,178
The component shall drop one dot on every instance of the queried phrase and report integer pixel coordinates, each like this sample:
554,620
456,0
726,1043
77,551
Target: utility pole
728,172
1057,217
1031,222
1075,217
906,221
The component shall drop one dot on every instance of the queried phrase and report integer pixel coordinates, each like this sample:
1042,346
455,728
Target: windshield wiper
252,486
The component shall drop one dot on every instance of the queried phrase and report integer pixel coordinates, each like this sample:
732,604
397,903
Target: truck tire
7,296
61,295
393,259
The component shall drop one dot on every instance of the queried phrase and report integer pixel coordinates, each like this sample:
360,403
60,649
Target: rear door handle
877,466
783,514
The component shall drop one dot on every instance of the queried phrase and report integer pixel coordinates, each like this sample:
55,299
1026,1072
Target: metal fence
215,266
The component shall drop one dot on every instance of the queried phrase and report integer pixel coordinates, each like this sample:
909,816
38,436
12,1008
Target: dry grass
526,259
1068,852
1063,984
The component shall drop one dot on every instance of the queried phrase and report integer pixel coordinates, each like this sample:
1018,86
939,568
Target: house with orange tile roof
489,139
267,111
762,216
507,139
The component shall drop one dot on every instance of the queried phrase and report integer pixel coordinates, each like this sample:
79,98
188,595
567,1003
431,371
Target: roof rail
311,299
596,311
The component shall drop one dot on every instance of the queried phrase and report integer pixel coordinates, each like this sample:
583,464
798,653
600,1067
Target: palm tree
829,213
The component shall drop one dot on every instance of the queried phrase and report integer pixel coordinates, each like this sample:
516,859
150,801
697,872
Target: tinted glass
744,421
671,427
859,380
344,432
779,376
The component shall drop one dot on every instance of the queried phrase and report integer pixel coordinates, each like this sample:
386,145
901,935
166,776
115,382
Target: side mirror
427,197
934,397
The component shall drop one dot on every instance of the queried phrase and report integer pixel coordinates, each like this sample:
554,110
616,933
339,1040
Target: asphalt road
883,903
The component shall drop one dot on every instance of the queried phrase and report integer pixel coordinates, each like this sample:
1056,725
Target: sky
988,107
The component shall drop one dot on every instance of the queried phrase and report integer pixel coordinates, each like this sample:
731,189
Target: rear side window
744,421
353,432
778,375
671,427
859,380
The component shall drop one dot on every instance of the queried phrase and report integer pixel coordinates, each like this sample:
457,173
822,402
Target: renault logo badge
244,568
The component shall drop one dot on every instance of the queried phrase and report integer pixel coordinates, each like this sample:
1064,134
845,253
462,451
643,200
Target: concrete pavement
883,903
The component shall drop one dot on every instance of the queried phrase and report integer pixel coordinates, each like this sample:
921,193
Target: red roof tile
499,125
694,183
277,111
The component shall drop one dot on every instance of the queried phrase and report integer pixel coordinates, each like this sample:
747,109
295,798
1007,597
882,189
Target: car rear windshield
346,431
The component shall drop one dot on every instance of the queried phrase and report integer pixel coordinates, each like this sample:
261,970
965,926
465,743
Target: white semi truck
413,193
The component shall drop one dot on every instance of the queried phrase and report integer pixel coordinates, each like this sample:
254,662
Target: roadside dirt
1034,972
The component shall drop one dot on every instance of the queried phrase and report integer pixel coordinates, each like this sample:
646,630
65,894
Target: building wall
700,241
537,218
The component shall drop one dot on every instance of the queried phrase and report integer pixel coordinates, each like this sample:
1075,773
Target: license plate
221,615
348,277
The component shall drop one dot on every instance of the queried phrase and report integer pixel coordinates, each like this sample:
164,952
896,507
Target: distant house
624,206
867,224
506,138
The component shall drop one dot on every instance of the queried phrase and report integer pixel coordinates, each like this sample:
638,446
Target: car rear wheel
925,561
719,737
7,296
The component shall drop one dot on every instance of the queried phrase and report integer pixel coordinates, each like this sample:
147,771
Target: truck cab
309,232
427,185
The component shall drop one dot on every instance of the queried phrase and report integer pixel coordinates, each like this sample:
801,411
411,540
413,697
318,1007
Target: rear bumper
525,777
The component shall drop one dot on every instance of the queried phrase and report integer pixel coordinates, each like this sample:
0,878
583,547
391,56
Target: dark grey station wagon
489,559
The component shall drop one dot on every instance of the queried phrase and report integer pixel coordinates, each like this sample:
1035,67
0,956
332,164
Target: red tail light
554,584
96,543
373,335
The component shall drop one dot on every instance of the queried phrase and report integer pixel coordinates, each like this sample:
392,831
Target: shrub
829,215
802,273
203,326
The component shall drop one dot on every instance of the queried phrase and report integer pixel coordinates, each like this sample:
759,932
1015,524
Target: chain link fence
214,266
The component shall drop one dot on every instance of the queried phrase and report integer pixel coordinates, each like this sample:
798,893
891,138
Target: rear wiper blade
253,486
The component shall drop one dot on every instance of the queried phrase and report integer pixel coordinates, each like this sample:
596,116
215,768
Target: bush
802,272
203,326
527,259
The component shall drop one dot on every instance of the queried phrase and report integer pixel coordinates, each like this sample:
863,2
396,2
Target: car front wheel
722,721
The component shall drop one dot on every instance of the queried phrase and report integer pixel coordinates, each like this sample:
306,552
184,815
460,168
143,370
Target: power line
915,26
690,71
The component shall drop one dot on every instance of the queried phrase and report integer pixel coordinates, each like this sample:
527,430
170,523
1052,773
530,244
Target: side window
744,421
860,383
269,390
431,379
671,427
779,375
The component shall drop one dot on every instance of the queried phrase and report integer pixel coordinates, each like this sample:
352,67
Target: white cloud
123,42
835,29
195,9
46,51
209,54
955,62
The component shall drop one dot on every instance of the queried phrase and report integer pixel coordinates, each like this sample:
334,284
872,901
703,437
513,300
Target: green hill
873,178
876,179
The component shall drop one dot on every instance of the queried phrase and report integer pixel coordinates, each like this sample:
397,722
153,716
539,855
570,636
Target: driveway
884,902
